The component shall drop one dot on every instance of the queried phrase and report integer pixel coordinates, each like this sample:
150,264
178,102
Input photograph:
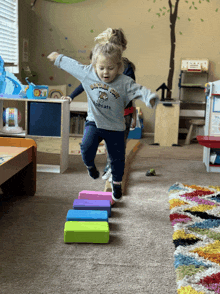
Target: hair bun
104,37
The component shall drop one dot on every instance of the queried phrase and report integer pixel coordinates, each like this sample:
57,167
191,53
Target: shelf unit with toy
192,80
44,118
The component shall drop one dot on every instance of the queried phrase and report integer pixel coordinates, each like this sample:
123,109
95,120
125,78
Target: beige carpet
53,145
193,151
140,255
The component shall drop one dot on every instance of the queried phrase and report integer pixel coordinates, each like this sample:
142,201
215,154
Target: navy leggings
128,119
115,146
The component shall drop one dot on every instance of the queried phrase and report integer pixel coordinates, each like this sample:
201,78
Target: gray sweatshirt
106,101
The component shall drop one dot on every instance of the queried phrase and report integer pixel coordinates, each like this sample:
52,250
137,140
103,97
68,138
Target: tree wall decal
173,17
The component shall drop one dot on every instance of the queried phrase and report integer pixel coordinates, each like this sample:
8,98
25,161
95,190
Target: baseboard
144,134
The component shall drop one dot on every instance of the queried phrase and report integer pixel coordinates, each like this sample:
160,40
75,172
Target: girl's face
106,69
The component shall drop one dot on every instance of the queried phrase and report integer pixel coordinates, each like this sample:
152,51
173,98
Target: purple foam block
85,204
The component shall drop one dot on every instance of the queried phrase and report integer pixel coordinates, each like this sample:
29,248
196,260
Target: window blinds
9,32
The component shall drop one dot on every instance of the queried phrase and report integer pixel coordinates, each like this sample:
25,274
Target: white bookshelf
64,122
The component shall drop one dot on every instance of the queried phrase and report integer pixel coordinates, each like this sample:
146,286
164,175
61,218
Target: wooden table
18,166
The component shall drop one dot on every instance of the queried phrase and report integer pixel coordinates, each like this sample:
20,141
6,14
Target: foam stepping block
96,195
86,232
87,215
86,204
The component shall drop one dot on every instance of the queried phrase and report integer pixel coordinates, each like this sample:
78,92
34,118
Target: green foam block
86,232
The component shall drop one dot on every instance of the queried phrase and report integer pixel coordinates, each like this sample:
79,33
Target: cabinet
45,118
192,80
167,123
211,138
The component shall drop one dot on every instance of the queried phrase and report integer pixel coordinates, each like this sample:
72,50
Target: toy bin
136,133
216,158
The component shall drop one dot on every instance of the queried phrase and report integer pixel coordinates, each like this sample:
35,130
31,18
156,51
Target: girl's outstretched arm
70,65
136,91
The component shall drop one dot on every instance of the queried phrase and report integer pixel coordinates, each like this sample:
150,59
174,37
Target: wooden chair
193,123
197,120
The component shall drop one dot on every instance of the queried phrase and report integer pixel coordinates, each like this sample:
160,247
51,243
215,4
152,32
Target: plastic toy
9,83
11,87
2,76
36,92
11,118
151,172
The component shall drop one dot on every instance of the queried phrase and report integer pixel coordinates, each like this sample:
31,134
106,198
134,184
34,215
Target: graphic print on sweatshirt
104,91
102,96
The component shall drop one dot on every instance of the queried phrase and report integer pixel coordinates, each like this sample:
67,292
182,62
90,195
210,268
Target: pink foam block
96,195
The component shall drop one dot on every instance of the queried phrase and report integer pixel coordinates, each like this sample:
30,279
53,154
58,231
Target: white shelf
64,130
3,134
46,168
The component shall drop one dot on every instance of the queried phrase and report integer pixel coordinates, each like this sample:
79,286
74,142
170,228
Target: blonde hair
114,36
111,51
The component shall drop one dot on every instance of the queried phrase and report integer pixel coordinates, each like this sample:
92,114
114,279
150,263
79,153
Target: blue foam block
87,215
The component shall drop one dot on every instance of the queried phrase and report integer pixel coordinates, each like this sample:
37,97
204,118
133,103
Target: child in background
108,92
117,37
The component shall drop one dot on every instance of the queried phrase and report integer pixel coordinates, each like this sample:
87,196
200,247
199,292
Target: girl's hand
133,124
53,56
152,102
134,117
67,97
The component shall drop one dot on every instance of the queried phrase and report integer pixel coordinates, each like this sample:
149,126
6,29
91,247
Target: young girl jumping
117,37
108,92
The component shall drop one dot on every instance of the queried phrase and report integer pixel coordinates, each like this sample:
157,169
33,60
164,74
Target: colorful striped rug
195,217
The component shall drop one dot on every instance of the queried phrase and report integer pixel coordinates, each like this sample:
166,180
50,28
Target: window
9,34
